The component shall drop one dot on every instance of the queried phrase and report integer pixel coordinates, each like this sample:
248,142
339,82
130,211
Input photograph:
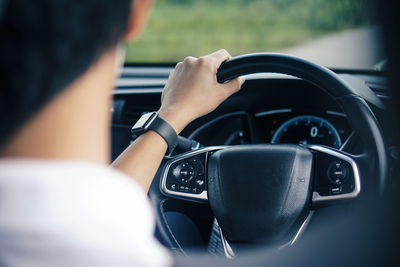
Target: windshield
333,33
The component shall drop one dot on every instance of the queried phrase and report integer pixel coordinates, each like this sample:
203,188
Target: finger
220,56
189,59
177,66
162,96
234,85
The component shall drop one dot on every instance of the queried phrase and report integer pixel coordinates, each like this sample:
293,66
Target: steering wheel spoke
184,176
336,176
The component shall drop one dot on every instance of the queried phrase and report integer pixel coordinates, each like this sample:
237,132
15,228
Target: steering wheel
267,193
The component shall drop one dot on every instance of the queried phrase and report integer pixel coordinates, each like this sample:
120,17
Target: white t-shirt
68,213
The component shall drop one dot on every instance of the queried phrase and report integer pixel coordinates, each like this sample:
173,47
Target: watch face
141,124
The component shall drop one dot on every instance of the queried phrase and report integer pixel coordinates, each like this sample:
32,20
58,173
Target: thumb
234,85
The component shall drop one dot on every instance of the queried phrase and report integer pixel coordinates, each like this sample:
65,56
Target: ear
140,10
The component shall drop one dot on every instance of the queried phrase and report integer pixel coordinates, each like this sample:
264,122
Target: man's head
45,45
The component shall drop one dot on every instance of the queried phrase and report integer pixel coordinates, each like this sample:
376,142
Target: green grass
178,28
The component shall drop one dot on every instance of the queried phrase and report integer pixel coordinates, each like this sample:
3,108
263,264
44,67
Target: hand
192,89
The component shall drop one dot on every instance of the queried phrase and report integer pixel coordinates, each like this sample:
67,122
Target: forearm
142,158
192,91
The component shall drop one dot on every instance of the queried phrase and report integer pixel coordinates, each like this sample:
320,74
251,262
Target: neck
75,124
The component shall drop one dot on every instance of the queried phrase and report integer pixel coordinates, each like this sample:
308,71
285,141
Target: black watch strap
165,130
151,121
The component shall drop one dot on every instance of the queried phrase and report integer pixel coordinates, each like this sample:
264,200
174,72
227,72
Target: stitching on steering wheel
167,225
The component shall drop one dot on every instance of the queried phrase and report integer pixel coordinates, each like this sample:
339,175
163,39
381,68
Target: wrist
177,119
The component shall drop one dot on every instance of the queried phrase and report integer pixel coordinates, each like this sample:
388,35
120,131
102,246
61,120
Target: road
355,49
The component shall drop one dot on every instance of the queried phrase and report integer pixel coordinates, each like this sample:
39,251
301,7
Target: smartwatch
151,121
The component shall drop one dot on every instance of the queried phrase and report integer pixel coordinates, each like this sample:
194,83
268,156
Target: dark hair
45,45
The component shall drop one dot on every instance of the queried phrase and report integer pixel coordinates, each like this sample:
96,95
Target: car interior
298,144
301,166
270,108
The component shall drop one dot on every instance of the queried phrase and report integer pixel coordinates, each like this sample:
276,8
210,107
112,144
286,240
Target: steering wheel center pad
260,193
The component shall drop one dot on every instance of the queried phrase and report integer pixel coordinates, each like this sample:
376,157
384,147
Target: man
60,202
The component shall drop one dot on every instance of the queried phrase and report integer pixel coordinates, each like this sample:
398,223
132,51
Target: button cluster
334,176
187,175
337,173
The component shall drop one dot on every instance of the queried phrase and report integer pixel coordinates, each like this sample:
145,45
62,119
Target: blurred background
334,33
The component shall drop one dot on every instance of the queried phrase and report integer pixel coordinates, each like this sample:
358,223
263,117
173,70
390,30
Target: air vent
381,90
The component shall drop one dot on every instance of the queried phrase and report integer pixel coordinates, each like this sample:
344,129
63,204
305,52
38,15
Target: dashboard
268,109
288,125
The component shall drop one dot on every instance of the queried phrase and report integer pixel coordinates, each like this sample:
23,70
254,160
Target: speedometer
307,129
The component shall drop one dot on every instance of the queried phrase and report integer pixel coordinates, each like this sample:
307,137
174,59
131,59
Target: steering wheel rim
359,114
360,117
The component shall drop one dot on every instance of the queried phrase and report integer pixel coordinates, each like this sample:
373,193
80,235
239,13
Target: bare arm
192,91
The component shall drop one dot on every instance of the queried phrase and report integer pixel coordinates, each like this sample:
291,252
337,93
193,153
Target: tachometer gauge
307,129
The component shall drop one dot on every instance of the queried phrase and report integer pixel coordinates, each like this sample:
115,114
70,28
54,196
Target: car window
334,33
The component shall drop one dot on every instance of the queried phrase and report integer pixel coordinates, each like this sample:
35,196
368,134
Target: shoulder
78,207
